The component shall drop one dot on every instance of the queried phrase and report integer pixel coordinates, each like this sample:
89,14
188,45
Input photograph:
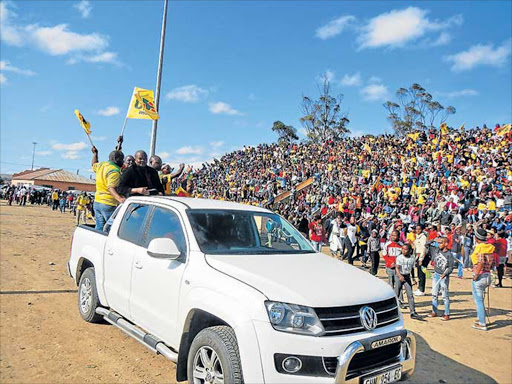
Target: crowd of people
437,198
79,203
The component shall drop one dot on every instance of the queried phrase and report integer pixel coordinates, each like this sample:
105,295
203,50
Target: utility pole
33,154
158,80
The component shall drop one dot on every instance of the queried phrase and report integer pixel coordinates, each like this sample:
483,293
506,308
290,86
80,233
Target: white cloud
164,155
6,66
10,34
69,147
105,57
462,92
334,27
398,27
217,144
98,138
57,40
84,7
443,39
374,79
188,150
44,153
374,92
187,94
479,55
71,155
109,111
351,80
3,79
223,108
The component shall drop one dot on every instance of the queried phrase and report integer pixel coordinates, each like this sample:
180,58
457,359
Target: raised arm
94,151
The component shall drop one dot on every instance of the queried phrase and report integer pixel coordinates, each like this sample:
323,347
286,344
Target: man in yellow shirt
106,197
81,208
55,200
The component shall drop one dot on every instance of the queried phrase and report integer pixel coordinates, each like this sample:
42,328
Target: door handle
138,265
109,251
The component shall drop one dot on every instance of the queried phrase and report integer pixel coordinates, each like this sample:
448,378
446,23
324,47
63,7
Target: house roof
47,174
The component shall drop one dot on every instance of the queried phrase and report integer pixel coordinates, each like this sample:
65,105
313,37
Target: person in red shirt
317,233
390,251
432,232
501,251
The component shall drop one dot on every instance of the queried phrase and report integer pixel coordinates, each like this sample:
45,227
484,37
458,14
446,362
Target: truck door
119,253
156,282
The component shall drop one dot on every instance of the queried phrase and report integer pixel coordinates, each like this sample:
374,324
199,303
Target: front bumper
407,360
340,348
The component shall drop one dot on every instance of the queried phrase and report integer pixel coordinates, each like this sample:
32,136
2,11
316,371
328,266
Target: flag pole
124,126
90,141
158,79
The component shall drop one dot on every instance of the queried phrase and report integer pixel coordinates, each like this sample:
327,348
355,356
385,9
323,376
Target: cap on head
481,234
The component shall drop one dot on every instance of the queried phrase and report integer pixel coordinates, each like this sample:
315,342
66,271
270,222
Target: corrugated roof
52,175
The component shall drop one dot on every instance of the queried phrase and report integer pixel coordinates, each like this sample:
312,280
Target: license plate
385,377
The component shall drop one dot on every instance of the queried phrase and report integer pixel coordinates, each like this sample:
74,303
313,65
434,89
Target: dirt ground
44,340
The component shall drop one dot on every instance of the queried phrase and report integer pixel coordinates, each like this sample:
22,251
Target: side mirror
163,248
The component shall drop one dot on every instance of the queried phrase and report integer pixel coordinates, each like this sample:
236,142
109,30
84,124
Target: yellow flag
444,129
414,136
367,148
137,109
504,130
84,123
461,128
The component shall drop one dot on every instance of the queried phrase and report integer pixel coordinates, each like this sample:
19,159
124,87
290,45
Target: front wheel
214,357
88,299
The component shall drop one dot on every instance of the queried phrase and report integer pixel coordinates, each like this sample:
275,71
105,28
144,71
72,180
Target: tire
88,297
215,345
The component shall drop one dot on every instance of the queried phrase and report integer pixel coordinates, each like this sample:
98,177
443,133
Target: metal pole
158,79
33,154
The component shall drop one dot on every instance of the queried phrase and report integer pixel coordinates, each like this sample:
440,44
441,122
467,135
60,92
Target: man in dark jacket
139,179
443,265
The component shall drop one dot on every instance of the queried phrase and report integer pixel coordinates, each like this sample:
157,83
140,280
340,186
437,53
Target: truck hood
314,279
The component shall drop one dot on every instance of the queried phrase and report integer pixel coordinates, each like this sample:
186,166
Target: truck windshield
245,232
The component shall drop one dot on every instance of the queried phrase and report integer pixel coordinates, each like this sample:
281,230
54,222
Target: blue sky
232,68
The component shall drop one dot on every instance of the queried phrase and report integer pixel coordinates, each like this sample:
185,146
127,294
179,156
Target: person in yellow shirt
166,177
483,263
55,200
81,208
106,198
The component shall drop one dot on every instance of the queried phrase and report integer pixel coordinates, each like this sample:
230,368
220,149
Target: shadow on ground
434,367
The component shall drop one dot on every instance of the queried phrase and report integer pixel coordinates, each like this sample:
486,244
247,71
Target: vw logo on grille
368,318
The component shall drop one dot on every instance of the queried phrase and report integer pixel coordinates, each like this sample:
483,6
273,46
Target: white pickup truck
234,293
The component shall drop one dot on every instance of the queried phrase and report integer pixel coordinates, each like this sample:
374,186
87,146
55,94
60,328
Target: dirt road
44,340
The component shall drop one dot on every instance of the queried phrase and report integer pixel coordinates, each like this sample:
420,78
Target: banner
138,109
414,136
84,123
503,130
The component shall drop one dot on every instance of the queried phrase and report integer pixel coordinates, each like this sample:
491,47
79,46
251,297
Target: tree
415,110
323,119
286,133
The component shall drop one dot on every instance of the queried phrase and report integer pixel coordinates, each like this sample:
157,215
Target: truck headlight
294,318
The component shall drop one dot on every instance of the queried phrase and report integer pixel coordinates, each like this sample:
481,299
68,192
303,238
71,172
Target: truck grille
343,320
366,360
